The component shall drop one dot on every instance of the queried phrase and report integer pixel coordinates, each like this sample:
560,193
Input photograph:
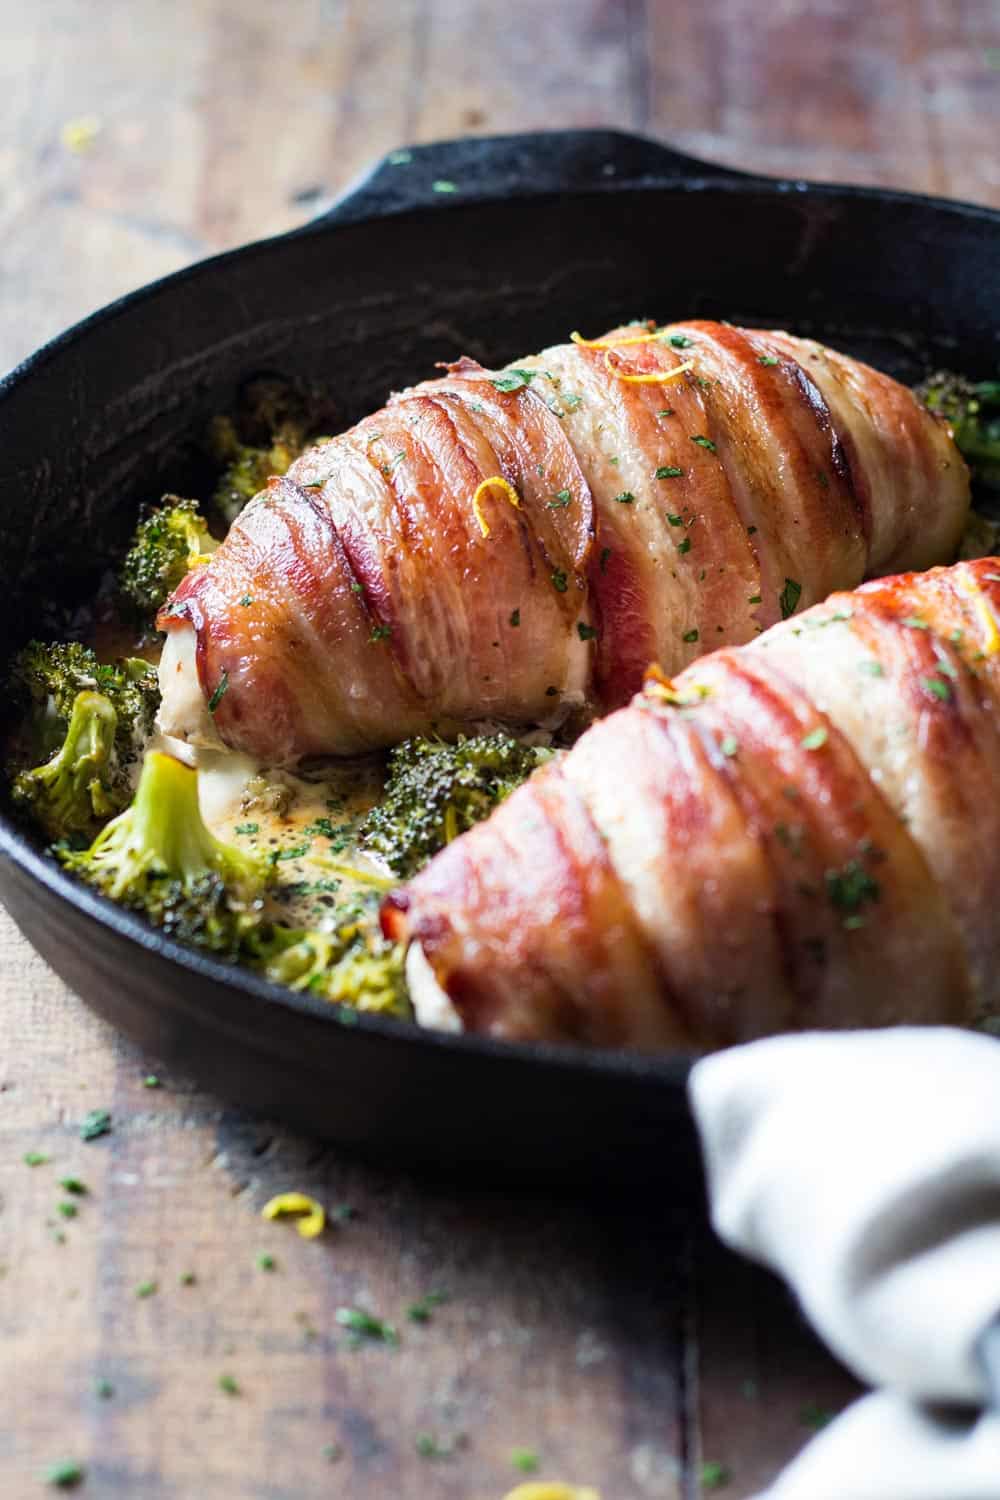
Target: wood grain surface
613,1340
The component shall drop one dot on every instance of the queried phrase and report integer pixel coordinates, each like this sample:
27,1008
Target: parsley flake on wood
364,1325
95,1124
704,442
230,1385
65,1475
420,1311
147,1289
715,1476
35,1158
219,693
815,739
266,1261
187,1278
789,597
103,1389
526,1460
68,1210
73,1185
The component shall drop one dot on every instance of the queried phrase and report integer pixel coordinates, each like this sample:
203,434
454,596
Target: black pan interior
105,418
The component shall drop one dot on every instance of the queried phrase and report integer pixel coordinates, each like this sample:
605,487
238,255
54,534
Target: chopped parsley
65,1475
526,1460
667,411
689,637
754,599
515,617
559,581
669,471
729,745
380,633
685,545
915,622
625,498
219,693
279,856
571,402
246,829
937,688
768,359
103,1389
73,1185
815,739
266,1261
675,520
187,1278
147,1289
229,1384
428,1446
35,1158
605,554
420,1311
560,500
871,668
850,889
513,380
364,1325
247,600
789,597
95,1124
68,1210
704,442
680,341
585,632
151,1081
442,185
715,1476
399,158
321,828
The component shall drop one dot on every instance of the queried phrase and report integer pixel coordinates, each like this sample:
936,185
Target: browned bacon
798,833
663,494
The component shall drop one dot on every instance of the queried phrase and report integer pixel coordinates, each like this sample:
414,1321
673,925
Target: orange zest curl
658,377
500,483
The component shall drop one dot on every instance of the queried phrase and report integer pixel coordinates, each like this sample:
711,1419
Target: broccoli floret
973,410
159,858
248,467
352,965
80,723
81,786
169,541
436,791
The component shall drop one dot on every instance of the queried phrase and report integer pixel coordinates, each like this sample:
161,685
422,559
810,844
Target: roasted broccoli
436,791
973,409
352,965
169,541
159,858
78,789
81,728
249,465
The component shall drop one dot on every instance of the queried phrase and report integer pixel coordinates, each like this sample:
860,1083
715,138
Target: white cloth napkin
864,1167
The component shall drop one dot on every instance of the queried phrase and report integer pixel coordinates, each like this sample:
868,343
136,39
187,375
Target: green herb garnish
73,1185
526,1460
380,633
585,632
219,693
230,1385
515,618
560,500
669,471
704,442
768,359
364,1325
937,688
815,739
95,1124
684,545
689,637
65,1475
789,597
559,581
35,1158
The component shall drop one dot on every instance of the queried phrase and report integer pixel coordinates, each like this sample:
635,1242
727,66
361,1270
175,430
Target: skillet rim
349,210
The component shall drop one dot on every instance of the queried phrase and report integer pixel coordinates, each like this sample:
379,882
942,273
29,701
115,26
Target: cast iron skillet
490,248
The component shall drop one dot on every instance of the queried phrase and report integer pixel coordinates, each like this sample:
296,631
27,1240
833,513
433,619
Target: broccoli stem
72,792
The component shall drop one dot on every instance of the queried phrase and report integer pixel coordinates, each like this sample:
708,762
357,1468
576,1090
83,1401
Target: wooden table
616,1343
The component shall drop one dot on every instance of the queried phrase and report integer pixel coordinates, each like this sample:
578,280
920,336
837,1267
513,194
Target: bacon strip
801,831
743,474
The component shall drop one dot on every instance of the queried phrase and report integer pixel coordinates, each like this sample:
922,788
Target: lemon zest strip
310,1215
616,343
548,1490
659,686
969,586
509,491
659,377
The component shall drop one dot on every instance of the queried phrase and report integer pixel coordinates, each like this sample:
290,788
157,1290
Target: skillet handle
513,166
